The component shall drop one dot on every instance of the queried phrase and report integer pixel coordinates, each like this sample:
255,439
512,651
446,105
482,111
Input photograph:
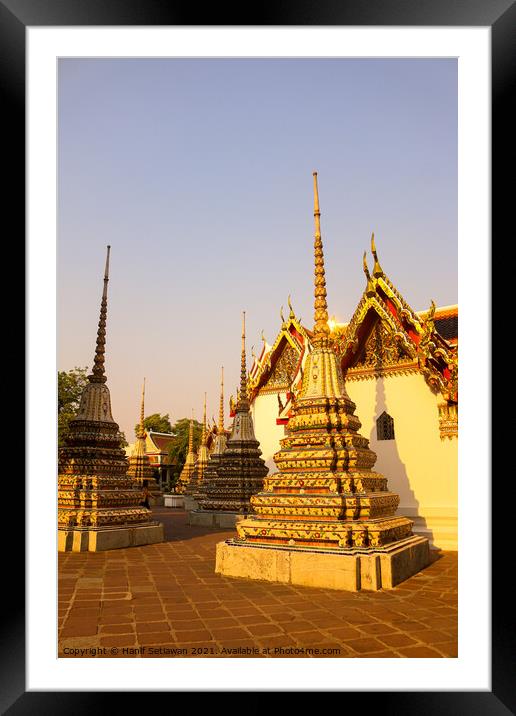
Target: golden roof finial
263,337
291,314
370,286
281,314
98,374
321,328
221,407
366,268
377,269
242,393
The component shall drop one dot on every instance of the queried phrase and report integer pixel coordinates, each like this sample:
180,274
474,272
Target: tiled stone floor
166,600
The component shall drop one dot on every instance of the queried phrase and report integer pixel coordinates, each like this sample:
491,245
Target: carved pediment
284,370
382,349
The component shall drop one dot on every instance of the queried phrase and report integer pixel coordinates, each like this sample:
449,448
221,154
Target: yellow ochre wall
420,467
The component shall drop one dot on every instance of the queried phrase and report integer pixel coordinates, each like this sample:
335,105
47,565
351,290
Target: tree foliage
70,385
156,422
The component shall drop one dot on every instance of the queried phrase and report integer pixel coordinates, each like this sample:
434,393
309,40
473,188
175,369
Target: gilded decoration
284,371
448,420
272,374
238,472
94,489
325,494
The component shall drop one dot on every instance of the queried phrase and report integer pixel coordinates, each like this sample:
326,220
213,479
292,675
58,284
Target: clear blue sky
199,174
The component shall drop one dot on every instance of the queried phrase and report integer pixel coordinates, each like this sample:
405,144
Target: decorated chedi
220,440
195,486
98,503
240,470
218,447
326,519
140,469
183,484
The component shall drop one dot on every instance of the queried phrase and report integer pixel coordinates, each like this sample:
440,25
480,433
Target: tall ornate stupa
220,440
240,471
140,469
183,485
326,519
98,503
195,489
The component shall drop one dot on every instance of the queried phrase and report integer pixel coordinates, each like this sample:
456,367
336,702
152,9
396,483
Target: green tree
158,423
178,447
70,385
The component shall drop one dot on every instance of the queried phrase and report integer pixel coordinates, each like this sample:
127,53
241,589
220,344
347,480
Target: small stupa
195,489
183,485
326,519
240,470
140,468
98,503
218,447
220,440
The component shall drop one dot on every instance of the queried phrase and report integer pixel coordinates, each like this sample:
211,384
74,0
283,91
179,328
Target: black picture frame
15,17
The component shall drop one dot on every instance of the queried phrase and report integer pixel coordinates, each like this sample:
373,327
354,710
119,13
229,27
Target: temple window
385,427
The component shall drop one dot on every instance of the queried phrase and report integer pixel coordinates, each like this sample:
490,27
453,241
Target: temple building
400,368
140,467
157,450
98,503
240,470
326,519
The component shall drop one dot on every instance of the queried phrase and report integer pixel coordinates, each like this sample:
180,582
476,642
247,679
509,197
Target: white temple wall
264,411
420,467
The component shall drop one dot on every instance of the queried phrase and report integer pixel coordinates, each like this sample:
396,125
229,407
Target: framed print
181,148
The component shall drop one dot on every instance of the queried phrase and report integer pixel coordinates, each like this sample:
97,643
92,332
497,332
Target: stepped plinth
98,503
240,470
326,519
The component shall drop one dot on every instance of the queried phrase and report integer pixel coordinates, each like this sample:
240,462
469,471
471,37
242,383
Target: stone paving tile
167,598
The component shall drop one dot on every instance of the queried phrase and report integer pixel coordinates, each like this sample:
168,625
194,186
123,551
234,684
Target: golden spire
142,411
98,374
377,269
221,407
203,434
190,435
242,393
321,328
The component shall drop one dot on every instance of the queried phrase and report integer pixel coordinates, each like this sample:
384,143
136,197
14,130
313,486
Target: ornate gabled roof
385,336
279,363
158,442
401,336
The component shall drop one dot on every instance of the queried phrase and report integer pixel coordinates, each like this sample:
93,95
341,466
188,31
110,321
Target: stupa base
99,540
190,503
215,518
350,570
